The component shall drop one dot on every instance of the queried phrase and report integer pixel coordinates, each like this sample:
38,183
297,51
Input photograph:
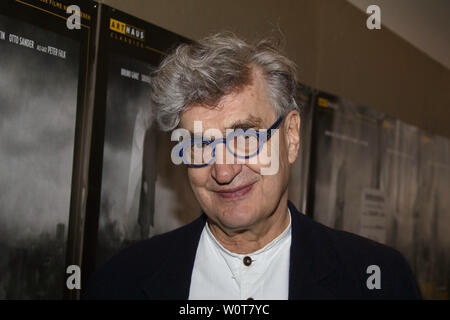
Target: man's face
237,196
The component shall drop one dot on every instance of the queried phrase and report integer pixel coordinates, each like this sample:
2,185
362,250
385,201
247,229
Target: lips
235,193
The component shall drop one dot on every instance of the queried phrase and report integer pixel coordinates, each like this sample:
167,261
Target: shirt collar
267,247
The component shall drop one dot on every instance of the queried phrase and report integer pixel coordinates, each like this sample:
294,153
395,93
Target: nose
225,173
221,171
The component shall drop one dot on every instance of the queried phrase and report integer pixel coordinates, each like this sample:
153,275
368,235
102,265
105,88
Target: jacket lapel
172,280
312,260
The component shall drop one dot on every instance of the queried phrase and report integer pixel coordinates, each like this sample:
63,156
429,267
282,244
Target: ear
292,133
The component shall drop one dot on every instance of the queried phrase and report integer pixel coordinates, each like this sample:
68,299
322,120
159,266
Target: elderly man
250,242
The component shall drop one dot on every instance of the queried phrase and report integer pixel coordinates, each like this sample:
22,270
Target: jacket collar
312,262
172,280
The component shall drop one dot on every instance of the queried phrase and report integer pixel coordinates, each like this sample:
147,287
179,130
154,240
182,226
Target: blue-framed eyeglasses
243,144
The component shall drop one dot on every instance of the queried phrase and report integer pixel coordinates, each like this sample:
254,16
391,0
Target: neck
256,236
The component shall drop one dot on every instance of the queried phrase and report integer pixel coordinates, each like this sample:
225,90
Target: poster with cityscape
42,90
385,180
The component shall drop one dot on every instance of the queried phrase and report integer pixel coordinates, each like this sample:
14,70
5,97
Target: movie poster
129,166
39,71
386,180
432,228
346,192
399,175
127,173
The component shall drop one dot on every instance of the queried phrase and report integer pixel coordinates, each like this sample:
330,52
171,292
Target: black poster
128,174
42,72
125,141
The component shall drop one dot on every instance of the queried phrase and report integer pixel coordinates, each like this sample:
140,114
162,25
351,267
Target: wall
333,48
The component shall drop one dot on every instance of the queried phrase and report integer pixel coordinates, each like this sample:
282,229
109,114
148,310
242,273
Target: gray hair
204,72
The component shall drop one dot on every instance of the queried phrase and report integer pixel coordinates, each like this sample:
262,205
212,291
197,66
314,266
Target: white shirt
220,274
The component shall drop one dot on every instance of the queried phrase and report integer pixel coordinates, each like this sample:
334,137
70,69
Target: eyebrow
250,122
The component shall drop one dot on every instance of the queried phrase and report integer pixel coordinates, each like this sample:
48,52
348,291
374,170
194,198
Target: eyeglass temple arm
274,126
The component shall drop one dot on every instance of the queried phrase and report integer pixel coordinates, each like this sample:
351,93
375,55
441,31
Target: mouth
235,193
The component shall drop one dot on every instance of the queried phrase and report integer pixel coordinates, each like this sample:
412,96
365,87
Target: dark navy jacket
324,264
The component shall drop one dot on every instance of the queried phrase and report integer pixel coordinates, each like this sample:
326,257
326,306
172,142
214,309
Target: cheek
198,177
275,149
265,200
273,183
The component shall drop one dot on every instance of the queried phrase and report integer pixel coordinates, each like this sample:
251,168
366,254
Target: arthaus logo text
126,29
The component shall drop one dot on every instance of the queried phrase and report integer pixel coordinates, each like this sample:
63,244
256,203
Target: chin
238,217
